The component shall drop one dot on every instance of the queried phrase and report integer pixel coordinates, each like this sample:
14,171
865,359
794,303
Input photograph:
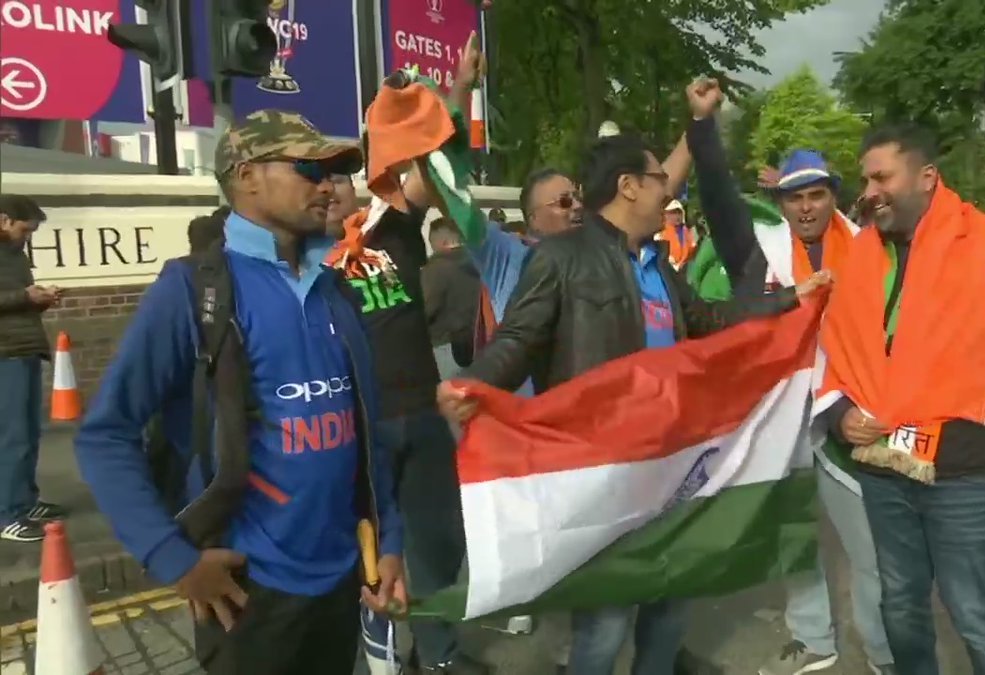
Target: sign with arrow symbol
22,85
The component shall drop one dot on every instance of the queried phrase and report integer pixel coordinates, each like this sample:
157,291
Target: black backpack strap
215,305
222,400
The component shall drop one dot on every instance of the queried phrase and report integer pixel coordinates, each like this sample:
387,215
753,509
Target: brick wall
94,319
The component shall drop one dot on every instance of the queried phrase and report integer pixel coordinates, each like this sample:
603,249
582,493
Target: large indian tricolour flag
669,473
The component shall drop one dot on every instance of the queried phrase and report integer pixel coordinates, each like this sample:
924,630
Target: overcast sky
812,38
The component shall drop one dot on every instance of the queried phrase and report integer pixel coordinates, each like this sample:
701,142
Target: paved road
149,633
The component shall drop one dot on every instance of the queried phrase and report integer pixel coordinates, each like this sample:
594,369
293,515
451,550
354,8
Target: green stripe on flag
741,537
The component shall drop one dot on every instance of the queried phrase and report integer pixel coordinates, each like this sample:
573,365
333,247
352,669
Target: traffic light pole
165,132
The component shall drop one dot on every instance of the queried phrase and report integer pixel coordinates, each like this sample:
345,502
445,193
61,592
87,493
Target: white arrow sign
22,85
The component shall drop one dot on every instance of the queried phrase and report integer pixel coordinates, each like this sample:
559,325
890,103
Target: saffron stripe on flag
557,432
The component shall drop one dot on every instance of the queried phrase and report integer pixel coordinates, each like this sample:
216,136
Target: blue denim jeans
808,614
426,478
922,533
20,435
598,637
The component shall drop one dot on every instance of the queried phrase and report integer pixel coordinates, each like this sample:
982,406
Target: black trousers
281,634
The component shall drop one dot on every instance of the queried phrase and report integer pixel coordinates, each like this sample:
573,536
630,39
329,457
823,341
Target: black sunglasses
316,171
565,200
312,170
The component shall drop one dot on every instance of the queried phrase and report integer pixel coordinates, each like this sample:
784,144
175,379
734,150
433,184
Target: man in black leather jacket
591,295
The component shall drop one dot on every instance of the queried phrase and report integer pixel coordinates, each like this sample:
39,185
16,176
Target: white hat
674,205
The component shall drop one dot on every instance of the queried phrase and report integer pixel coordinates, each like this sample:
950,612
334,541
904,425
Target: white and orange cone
477,135
66,403
66,643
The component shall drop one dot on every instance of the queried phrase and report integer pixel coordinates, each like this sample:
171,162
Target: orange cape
936,369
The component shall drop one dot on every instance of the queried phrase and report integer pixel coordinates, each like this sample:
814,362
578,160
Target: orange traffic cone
66,643
66,403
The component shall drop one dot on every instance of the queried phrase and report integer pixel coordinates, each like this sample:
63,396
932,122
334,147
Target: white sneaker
794,659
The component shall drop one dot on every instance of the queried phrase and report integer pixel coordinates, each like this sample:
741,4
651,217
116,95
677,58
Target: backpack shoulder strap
214,301
214,313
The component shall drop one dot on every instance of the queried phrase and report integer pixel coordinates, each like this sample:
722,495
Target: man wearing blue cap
763,255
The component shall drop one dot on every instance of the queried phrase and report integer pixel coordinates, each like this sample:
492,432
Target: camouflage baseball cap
277,134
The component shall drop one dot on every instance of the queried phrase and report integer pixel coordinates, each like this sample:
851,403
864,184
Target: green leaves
925,62
798,113
562,67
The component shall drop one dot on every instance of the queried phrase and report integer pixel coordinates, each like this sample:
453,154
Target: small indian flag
668,473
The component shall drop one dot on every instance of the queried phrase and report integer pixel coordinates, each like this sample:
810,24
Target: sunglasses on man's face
316,171
565,200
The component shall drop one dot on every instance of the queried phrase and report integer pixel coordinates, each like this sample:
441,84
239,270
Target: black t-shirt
393,309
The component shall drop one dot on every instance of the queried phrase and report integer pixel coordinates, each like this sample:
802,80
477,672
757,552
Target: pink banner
56,61
428,34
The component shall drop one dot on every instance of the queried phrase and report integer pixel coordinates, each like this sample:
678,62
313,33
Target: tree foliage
799,113
925,62
739,124
559,68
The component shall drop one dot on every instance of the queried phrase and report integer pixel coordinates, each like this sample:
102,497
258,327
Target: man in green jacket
23,345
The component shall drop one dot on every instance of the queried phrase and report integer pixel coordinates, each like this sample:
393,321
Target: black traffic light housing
158,42
242,42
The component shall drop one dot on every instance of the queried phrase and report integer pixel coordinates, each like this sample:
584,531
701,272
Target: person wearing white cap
679,237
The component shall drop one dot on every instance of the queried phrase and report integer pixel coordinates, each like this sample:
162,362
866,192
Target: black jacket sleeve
527,329
728,215
702,317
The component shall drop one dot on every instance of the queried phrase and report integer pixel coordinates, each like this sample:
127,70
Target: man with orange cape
904,385
763,252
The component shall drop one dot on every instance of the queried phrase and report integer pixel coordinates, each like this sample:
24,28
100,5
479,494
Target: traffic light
242,42
157,42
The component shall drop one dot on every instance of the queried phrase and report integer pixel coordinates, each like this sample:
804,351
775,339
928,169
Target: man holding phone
23,345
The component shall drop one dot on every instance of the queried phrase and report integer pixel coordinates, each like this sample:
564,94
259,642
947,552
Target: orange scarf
679,253
936,370
836,241
402,125
350,254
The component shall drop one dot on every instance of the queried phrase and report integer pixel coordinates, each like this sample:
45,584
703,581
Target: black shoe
45,511
23,530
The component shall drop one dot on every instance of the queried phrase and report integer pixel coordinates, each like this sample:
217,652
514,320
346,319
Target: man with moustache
904,336
761,258
277,589
590,295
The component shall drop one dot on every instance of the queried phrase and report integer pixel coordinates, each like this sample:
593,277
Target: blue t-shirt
657,314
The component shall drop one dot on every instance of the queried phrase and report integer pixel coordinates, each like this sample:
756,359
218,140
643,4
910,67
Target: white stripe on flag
525,534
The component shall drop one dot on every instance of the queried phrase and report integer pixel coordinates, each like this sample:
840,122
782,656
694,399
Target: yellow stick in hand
367,545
